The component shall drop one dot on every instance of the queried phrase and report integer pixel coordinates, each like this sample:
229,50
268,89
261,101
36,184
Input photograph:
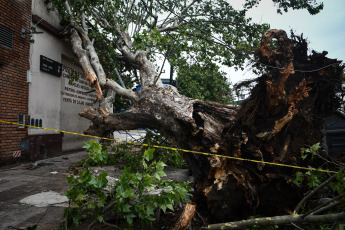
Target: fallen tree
285,110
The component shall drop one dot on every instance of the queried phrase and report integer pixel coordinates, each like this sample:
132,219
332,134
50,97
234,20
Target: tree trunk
284,113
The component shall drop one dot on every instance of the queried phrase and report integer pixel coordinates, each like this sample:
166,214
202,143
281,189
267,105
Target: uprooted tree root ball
284,113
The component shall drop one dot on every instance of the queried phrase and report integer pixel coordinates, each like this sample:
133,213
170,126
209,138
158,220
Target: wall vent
6,37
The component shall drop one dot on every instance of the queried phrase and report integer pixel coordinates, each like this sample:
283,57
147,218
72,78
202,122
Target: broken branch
279,220
186,217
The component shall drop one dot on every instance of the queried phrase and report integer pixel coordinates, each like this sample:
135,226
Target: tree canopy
183,32
204,82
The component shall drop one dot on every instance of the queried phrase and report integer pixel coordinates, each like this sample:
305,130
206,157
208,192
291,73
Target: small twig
92,224
111,225
127,21
202,219
328,207
331,162
160,72
324,205
106,208
296,226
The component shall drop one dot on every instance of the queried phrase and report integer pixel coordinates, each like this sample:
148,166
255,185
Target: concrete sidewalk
31,197
47,182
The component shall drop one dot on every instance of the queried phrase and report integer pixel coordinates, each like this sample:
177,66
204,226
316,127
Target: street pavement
47,181
130,135
35,195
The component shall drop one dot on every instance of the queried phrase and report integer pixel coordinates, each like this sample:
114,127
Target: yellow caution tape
177,149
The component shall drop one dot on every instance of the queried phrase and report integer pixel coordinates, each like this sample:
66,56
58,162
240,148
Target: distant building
334,140
35,71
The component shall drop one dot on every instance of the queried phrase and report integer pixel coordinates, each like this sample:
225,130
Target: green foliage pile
124,154
134,196
170,157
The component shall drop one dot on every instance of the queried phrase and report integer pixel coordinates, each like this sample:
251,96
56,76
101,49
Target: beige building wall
75,96
52,98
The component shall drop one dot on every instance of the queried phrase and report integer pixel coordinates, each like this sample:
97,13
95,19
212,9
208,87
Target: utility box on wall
21,120
25,145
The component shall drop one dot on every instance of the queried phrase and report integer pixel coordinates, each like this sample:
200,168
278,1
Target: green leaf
297,181
148,154
313,181
100,218
91,206
169,206
163,207
126,208
87,145
149,210
74,205
130,218
80,197
101,202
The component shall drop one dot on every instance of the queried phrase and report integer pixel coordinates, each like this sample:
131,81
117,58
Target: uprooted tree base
285,112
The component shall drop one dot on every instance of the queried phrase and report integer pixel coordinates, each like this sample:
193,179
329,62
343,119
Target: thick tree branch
85,63
71,18
90,62
108,101
102,22
131,119
186,217
146,67
95,64
109,83
171,28
279,220
83,23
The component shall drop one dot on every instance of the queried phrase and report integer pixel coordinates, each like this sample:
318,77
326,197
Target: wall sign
78,91
50,66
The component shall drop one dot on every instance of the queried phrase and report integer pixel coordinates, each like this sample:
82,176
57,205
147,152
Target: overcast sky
324,31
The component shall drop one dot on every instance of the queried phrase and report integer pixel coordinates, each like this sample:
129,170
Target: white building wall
44,89
39,8
47,92
74,98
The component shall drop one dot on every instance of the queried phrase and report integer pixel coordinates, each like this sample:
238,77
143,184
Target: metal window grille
6,37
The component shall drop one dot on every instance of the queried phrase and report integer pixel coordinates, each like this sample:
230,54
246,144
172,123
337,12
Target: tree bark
284,113
186,217
279,220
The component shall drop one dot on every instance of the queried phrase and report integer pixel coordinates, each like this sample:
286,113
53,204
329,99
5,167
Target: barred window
6,37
